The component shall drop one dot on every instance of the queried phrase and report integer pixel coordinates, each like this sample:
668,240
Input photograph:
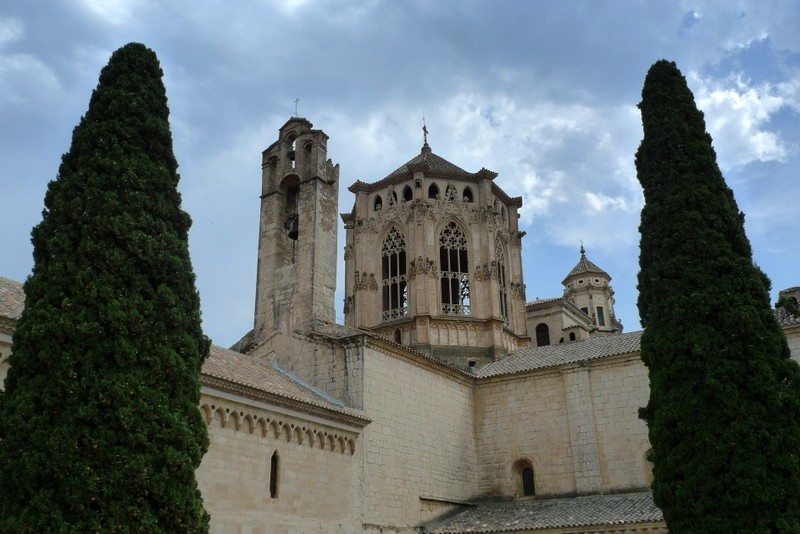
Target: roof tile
541,514
532,358
12,299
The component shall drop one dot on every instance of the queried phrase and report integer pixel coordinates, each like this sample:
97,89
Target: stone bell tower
297,234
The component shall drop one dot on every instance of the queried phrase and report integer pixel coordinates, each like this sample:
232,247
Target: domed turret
588,288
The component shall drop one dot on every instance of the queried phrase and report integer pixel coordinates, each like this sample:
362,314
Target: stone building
445,403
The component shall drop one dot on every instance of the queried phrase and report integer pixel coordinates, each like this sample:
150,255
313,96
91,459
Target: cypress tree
724,409
100,425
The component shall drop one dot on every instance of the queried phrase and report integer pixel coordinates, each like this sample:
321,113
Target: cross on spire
424,131
296,101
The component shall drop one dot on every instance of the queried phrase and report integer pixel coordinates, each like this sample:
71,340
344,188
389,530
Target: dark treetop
724,409
100,423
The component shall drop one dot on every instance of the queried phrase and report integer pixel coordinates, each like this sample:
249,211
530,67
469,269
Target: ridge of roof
538,302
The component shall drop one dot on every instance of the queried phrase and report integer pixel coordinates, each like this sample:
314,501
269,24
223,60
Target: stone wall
316,478
577,426
793,337
419,451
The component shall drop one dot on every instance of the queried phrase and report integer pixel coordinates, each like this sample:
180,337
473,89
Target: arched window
525,482
450,194
542,335
391,197
291,191
394,279
292,152
433,191
528,482
274,465
454,269
407,194
378,204
468,195
500,255
398,338
572,336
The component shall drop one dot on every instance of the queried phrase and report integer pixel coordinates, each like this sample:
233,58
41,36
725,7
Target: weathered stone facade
435,408
433,261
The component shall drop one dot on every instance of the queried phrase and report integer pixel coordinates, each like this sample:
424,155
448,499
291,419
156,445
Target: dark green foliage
100,425
724,410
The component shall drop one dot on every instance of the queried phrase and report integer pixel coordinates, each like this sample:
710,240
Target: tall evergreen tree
724,409
100,425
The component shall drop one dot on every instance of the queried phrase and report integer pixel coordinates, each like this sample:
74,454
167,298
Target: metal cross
296,101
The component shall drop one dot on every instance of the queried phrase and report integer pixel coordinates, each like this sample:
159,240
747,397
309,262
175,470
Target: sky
543,93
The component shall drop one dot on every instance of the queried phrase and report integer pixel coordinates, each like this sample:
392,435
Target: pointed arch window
454,269
407,194
500,256
394,278
433,191
450,193
468,195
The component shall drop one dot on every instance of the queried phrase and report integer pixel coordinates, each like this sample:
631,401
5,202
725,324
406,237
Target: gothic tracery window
450,193
500,256
394,279
454,269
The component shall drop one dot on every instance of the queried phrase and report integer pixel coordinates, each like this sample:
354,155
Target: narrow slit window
274,466
500,256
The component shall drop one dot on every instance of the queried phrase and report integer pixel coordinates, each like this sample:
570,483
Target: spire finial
296,101
583,250
424,131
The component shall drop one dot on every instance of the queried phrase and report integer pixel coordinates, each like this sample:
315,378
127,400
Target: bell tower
297,233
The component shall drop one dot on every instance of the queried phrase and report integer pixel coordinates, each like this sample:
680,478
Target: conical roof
585,266
428,162
433,162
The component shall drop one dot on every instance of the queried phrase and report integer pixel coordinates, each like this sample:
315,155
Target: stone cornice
344,416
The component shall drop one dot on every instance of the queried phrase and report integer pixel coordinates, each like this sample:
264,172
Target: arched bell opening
290,188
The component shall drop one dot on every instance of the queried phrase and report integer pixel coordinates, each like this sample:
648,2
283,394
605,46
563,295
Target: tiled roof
585,266
12,299
539,302
542,514
267,378
786,319
532,358
435,164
